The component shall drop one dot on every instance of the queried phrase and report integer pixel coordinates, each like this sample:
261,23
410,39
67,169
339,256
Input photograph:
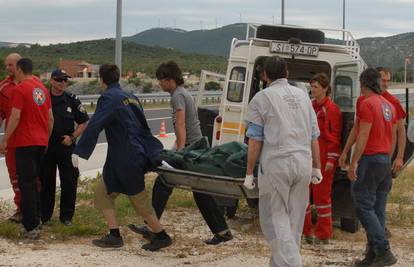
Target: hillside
135,57
386,51
213,42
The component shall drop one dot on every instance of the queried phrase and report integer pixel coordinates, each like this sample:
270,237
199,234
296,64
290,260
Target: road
154,118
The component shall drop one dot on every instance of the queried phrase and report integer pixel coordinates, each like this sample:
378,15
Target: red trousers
321,194
11,167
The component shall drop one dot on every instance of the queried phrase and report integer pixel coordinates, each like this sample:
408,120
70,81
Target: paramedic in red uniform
6,88
28,130
330,125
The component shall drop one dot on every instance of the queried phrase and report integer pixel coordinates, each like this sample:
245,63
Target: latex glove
248,182
316,176
75,162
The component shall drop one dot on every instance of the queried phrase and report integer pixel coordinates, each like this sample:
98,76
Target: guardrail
162,97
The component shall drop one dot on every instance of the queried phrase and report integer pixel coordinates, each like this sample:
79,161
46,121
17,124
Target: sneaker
142,230
368,260
33,234
157,244
16,217
109,241
385,258
217,239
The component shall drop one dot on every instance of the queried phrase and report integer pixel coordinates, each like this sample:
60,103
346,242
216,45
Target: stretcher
222,186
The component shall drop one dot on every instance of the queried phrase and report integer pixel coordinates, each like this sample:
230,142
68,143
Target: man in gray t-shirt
184,109
187,130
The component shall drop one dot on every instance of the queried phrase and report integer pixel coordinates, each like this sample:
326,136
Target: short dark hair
370,78
109,73
26,65
379,69
323,79
170,71
275,68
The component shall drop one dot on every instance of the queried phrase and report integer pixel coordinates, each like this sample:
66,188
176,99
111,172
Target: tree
147,88
212,86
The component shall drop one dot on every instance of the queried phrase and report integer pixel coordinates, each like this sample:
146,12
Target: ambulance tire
284,34
253,203
350,225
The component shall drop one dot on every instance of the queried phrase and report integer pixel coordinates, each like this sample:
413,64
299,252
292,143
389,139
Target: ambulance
307,52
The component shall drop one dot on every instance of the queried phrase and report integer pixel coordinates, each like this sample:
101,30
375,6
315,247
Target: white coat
289,125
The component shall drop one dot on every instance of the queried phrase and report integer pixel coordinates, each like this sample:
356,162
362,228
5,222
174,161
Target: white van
307,52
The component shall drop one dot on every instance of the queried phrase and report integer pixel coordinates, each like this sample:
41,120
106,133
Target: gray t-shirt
181,99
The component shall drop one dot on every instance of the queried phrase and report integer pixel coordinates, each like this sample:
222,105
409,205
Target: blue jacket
132,149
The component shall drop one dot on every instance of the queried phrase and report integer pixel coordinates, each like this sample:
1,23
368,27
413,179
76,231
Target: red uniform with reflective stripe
6,89
330,125
33,100
378,111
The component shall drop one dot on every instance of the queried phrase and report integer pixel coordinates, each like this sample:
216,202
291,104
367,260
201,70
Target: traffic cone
163,132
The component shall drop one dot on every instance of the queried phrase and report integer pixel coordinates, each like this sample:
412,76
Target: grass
89,222
401,200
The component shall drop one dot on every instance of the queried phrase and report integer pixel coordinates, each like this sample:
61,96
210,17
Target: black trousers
211,213
28,160
59,157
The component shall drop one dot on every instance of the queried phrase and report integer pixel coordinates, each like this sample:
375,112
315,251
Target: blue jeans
369,193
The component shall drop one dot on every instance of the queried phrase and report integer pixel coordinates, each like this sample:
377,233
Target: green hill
385,51
212,42
135,57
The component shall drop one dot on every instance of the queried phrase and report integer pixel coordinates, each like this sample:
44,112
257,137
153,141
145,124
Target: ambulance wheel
350,225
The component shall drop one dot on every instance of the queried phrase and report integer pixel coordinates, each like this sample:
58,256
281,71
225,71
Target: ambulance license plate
294,49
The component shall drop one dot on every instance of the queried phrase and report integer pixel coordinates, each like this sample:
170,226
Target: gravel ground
248,248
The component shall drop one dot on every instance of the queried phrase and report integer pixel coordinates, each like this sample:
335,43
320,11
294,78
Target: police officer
67,110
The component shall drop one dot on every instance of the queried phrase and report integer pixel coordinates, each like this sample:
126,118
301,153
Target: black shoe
33,234
309,239
66,222
384,258
217,239
142,230
157,244
109,241
367,261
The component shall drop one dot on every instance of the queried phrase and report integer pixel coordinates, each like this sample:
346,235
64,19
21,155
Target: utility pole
118,42
343,19
283,12
406,62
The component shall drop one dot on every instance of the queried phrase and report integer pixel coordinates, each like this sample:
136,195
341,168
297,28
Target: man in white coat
283,132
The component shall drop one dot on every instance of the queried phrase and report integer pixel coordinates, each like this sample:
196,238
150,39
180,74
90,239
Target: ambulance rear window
236,84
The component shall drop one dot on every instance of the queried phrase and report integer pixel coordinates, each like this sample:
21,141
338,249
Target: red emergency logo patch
39,96
386,111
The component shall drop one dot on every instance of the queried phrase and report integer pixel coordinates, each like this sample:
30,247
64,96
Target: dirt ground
248,248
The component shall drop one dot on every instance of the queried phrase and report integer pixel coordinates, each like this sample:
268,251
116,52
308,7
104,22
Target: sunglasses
59,80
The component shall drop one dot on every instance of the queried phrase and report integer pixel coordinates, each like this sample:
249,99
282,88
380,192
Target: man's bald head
10,63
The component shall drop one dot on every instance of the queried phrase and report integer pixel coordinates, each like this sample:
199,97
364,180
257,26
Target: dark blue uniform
132,150
67,110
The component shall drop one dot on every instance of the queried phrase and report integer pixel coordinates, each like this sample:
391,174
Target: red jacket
330,125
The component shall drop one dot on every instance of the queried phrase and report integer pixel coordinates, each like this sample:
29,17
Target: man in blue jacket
131,153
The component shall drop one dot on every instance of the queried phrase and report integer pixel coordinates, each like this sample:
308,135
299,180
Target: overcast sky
54,21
